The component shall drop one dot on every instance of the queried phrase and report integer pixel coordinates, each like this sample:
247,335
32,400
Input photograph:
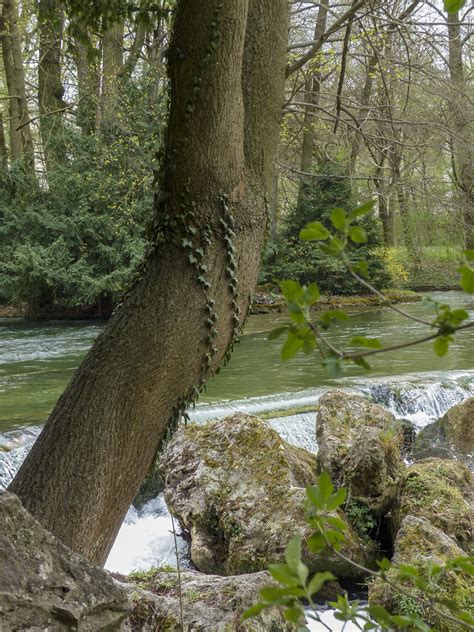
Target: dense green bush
75,240
289,258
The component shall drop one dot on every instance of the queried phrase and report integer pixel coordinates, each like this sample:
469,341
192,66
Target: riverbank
268,302
264,302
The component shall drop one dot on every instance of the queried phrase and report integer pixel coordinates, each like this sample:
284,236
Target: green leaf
318,581
325,486
369,343
276,333
339,219
467,279
335,314
293,553
362,362
316,542
458,315
336,500
291,347
312,294
469,254
282,574
294,614
358,235
291,290
254,611
314,232
333,247
361,268
333,366
363,209
451,6
441,345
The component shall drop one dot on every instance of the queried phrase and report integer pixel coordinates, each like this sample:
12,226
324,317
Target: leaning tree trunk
463,151
181,316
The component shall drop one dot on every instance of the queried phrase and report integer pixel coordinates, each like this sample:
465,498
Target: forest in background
378,103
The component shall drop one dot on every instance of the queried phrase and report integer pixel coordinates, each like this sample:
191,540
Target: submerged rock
440,491
210,603
418,542
238,489
359,445
452,436
45,586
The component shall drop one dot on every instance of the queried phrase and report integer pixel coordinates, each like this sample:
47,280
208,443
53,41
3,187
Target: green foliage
78,239
451,6
360,518
294,586
295,255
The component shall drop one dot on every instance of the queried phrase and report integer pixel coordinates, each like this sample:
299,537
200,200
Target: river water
38,359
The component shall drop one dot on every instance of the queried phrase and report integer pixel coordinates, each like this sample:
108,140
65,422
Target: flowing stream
38,359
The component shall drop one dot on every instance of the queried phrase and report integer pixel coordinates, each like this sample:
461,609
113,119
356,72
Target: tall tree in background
462,139
179,319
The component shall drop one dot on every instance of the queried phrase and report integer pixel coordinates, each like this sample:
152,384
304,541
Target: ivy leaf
363,209
369,343
358,235
314,232
339,219
467,279
451,6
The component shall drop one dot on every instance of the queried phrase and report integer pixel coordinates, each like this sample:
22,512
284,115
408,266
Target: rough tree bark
112,68
50,87
180,317
20,129
88,85
463,150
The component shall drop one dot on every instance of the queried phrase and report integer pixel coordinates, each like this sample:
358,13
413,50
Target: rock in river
359,445
417,542
238,488
210,603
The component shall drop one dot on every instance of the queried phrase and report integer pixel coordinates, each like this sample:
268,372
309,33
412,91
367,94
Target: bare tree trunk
16,150
180,317
112,68
50,87
88,84
312,94
274,205
462,142
3,145
13,59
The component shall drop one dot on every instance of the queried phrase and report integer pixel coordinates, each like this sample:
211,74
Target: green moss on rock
419,542
239,490
441,491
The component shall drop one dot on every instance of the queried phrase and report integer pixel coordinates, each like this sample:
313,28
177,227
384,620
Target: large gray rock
452,436
46,587
210,603
359,445
239,490
418,542
441,491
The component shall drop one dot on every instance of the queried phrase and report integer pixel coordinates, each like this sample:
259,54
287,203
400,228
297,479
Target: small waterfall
14,446
419,402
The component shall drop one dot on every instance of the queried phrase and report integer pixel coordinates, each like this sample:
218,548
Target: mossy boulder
419,542
210,603
360,446
238,489
440,491
452,436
